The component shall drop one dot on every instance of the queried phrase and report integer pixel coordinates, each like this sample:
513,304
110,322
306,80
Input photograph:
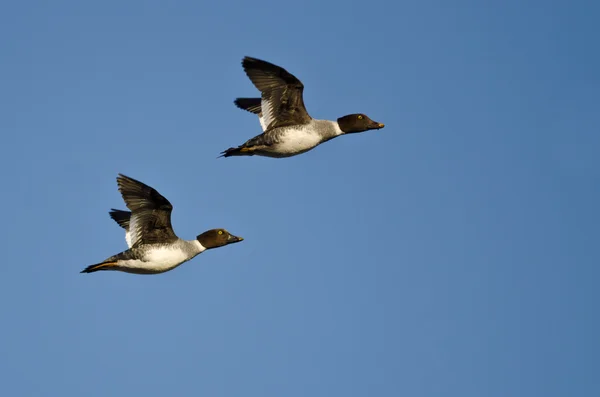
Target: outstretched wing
150,220
282,103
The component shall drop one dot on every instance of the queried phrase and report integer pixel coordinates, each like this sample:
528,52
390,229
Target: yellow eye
220,232
360,117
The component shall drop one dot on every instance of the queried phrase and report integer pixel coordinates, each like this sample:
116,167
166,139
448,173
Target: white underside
298,140
160,259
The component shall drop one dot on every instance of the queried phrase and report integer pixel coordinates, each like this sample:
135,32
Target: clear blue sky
453,253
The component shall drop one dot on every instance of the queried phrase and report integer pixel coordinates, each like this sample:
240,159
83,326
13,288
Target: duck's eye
360,117
220,232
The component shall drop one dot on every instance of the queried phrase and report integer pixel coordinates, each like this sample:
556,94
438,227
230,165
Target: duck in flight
288,130
153,246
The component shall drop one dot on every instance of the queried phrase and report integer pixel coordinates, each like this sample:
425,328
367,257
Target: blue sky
453,253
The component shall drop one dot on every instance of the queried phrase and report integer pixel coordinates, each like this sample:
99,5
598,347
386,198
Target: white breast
159,259
296,140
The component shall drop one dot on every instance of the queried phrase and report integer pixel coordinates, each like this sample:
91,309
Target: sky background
453,253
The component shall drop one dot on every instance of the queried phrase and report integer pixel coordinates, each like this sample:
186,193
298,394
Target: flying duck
288,130
153,246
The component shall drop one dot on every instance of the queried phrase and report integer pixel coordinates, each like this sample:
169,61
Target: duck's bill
377,126
234,239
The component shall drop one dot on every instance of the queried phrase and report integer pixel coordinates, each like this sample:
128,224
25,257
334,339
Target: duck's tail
237,151
100,266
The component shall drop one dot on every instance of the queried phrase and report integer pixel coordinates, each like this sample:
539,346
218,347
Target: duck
153,245
288,129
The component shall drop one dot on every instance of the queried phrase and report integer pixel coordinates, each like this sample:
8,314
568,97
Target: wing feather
282,102
150,220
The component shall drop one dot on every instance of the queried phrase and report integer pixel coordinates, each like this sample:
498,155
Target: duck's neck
193,246
328,129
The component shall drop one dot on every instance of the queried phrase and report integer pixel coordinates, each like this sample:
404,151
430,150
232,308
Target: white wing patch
128,238
134,233
262,122
267,113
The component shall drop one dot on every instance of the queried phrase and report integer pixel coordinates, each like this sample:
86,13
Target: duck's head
358,123
215,238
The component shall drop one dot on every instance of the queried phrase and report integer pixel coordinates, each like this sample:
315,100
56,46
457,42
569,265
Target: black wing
150,220
121,217
251,105
281,93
